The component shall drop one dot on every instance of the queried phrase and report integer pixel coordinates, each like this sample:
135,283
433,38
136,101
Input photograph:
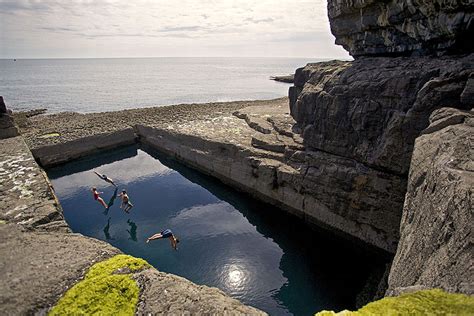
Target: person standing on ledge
167,233
105,178
126,204
98,198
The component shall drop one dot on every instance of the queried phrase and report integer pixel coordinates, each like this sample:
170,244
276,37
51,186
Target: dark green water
250,250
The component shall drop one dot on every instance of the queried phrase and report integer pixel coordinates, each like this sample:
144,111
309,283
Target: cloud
21,5
180,29
257,21
156,27
59,29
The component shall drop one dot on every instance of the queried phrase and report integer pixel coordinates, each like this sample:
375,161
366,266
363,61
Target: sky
155,28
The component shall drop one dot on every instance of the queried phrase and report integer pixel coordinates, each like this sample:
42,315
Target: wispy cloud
180,29
257,21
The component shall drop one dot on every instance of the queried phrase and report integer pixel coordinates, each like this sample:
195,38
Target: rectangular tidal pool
253,251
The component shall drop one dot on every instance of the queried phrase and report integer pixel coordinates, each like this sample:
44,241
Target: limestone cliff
362,118
435,248
412,58
399,27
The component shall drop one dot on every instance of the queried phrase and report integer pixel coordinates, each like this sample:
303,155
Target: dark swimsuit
166,233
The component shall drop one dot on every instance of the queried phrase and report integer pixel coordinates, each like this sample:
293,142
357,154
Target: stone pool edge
43,258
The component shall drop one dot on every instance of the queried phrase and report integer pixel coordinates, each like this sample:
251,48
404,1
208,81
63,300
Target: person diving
167,233
105,178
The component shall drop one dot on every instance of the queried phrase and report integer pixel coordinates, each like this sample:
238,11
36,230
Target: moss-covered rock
427,302
107,289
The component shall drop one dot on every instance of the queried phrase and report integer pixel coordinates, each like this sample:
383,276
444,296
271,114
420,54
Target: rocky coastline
378,150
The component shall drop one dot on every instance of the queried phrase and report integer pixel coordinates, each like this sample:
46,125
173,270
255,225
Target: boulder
7,125
3,107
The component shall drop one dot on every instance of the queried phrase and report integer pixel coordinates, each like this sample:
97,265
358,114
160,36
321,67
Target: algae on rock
426,302
106,289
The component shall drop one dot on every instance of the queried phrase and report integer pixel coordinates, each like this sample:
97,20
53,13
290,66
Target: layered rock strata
368,113
399,27
40,259
437,223
257,151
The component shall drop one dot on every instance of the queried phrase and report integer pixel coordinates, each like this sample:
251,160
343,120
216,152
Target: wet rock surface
398,27
437,223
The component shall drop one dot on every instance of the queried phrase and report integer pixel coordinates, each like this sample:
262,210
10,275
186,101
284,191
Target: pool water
252,251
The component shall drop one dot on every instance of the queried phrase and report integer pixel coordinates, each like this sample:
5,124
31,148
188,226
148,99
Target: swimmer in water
167,233
105,178
98,198
126,204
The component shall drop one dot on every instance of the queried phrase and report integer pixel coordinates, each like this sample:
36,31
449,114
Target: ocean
97,85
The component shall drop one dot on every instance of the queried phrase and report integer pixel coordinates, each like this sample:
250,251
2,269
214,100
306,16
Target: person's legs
155,236
101,201
128,207
174,242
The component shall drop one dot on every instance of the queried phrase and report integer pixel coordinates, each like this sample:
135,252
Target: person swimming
126,204
105,178
167,233
98,198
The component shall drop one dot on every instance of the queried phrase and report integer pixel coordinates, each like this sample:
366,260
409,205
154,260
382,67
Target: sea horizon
88,85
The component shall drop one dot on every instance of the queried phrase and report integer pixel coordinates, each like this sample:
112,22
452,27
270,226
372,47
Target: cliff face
372,109
400,27
435,248
367,114
412,58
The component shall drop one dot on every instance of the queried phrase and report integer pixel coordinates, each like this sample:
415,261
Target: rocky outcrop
7,125
399,27
367,114
372,109
435,247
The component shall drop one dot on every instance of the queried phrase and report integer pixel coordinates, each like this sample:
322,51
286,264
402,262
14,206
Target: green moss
427,302
103,292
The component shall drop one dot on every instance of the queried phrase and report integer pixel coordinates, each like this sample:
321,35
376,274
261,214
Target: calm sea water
96,85
251,250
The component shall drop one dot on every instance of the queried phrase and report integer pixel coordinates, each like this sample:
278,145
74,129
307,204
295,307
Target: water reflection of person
111,201
106,230
133,230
